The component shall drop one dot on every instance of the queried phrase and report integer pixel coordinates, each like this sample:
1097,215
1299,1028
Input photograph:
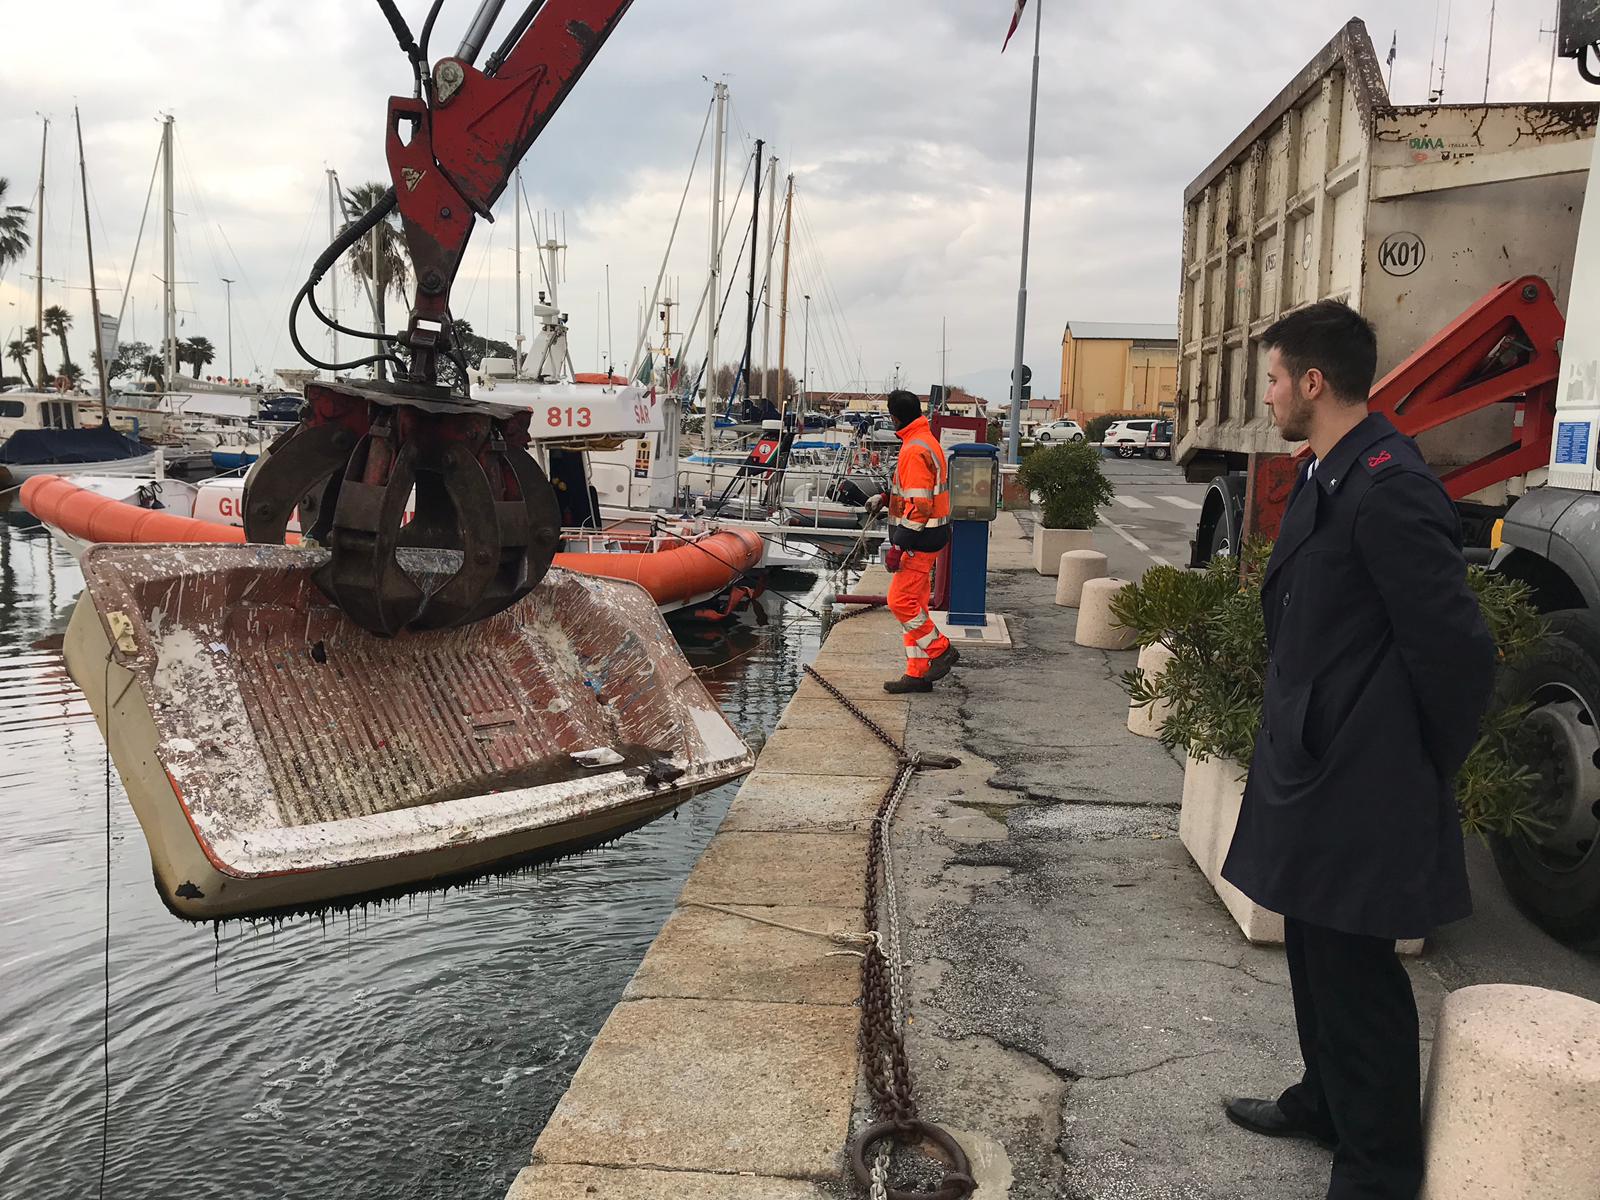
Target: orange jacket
919,498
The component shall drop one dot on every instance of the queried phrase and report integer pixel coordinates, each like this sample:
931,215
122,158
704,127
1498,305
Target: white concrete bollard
1514,1096
1077,568
1096,626
1147,722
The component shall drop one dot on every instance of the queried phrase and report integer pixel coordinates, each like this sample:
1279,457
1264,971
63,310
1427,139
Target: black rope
105,1026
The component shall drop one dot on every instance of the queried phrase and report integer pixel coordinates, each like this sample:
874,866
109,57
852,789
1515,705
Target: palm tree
32,340
13,229
58,320
393,267
198,352
19,352
73,373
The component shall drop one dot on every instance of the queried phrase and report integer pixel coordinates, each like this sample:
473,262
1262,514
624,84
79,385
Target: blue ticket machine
974,501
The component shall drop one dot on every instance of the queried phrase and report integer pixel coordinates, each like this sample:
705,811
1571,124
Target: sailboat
40,428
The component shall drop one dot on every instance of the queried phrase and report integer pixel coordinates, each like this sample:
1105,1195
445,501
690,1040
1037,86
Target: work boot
939,667
907,683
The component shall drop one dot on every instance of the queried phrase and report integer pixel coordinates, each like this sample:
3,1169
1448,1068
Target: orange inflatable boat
677,571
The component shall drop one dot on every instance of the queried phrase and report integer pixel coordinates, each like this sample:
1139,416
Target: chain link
884,1008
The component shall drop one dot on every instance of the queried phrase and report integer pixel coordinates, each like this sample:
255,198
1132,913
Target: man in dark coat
1380,668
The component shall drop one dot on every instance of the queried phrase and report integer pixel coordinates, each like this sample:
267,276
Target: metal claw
300,470
362,576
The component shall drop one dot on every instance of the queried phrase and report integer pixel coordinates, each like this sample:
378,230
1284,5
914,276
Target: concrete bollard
1096,626
1147,722
1077,568
1514,1096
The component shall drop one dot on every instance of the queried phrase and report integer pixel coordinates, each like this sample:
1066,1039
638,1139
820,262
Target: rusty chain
883,1006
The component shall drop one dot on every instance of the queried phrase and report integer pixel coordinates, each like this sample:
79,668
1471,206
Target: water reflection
411,1048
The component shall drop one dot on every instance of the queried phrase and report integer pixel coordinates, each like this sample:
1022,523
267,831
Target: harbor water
411,1048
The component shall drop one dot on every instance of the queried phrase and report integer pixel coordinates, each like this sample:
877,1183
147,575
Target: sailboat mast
709,434
333,274
94,296
516,223
755,253
783,302
169,269
766,277
38,267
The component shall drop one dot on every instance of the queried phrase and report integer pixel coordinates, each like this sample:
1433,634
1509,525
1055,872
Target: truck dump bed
1409,214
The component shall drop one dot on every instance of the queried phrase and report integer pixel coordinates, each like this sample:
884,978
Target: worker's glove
891,558
875,504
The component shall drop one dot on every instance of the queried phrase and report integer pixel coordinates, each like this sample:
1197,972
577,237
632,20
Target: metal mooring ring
958,1182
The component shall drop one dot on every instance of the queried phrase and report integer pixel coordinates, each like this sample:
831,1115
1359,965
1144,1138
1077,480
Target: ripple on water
410,1048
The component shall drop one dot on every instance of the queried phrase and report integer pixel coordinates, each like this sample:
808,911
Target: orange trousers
909,589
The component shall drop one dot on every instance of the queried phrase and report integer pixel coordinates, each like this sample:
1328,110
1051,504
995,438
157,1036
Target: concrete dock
1081,1001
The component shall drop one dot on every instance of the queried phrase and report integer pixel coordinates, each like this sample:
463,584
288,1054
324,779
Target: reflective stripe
929,638
916,652
917,493
915,623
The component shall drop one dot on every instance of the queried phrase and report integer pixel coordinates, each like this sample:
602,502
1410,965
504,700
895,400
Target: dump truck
1411,214
1464,233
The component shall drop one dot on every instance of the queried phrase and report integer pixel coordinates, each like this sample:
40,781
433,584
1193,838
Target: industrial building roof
1118,331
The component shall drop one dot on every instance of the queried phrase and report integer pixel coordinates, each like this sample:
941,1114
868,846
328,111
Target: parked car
1128,437
1064,430
1159,446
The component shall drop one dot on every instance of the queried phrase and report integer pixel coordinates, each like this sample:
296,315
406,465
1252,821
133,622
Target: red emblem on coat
1377,460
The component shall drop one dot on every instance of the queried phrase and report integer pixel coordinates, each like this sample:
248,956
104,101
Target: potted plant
1071,486
1215,683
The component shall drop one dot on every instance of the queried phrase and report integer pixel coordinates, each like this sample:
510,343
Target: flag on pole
1394,42
1016,19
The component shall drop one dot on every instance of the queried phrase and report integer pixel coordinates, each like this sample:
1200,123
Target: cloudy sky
903,124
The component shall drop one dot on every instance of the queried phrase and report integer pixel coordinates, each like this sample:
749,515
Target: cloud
904,126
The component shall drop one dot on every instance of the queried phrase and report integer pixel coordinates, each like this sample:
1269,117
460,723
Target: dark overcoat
1380,668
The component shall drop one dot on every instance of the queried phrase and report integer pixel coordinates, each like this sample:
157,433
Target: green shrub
1095,430
1070,481
1212,622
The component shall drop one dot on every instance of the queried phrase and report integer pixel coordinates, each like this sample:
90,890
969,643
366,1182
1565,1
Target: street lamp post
229,284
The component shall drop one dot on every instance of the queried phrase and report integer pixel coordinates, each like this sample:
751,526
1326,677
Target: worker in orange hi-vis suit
919,527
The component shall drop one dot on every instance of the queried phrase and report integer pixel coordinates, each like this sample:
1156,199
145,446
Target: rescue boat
678,569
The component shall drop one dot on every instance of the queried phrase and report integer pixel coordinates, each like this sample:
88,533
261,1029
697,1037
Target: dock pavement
1081,1003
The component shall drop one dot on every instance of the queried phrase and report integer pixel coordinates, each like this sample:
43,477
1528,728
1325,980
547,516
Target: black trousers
1357,1021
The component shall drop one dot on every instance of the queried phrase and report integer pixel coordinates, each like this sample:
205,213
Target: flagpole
1014,436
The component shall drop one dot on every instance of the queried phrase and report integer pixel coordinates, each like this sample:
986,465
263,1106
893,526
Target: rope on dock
842,939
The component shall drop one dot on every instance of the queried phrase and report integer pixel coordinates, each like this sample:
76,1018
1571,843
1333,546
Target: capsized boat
280,758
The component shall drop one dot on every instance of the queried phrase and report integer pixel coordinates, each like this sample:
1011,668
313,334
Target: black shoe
1265,1117
906,683
939,667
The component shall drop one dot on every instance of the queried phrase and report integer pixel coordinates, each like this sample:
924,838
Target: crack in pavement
1239,966
1155,1066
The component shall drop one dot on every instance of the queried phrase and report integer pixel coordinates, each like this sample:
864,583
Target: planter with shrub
1214,686
1072,486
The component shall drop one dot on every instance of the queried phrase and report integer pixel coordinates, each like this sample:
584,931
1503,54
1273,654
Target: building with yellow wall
1117,368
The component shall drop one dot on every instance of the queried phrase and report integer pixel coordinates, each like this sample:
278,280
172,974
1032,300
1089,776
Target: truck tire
1553,874
1161,453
